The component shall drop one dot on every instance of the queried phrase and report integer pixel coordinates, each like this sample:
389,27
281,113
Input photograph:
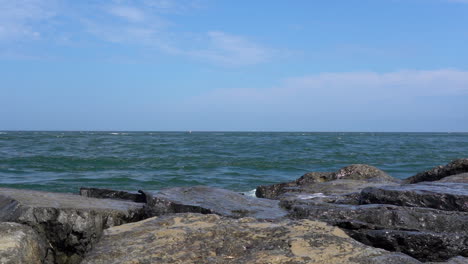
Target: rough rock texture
347,180
424,233
461,178
70,223
439,195
455,167
112,194
209,200
195,238
457,260
20,244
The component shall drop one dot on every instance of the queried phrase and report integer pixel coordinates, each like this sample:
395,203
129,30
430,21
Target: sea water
239,161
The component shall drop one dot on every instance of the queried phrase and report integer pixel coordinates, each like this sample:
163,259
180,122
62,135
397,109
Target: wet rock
439,195
458,166
70,223
20,244
209,200
196,238
347,180
112,194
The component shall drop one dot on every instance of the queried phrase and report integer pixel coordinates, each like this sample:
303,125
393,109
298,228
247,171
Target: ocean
239,161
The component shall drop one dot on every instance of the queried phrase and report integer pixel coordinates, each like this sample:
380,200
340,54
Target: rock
425,246
394,228
457,260
209,200
196,238
461,178
20,244
70,223
112,194
347,180
439,195
455,167
384,216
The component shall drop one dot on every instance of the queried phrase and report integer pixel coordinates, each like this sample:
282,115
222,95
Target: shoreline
362,215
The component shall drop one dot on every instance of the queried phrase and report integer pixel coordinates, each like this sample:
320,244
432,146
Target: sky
221,65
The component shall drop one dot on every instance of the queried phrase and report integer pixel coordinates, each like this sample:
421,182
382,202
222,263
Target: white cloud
227,49
330,91
142,27
127,12
22,18
139,23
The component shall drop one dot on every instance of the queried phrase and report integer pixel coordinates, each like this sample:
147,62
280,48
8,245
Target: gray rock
439,195
70,223
395,228
461,178
383,216
196,238
456,260
20,244
458,166
209,200
347,180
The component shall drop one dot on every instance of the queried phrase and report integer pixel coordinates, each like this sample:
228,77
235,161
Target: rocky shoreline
358,214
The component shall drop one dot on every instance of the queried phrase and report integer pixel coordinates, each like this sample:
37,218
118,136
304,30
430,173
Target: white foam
310,196
250,193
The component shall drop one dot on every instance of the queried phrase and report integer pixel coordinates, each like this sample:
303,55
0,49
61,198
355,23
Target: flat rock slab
20,244
439,195
196,238
203,199
70,223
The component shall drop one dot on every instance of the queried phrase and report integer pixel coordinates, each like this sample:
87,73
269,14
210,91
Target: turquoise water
240,161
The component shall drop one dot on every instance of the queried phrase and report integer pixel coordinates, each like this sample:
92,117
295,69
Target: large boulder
423,233
439,195
350,179
20,244
196,238
70,223
458,166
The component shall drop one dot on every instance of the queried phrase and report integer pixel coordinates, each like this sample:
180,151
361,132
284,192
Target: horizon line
227,131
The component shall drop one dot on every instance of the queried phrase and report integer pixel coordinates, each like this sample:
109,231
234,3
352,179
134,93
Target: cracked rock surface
70,223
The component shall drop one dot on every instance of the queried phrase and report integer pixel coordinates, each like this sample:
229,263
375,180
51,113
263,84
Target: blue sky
349,65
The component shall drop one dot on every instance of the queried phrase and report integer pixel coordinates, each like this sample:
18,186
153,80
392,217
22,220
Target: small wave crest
250,193
311,196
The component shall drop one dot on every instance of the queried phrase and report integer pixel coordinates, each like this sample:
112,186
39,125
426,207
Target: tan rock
196,238
20,244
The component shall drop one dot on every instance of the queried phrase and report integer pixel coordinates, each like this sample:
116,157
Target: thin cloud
141,24
127,12
23,18
227,49
141,27
339,91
